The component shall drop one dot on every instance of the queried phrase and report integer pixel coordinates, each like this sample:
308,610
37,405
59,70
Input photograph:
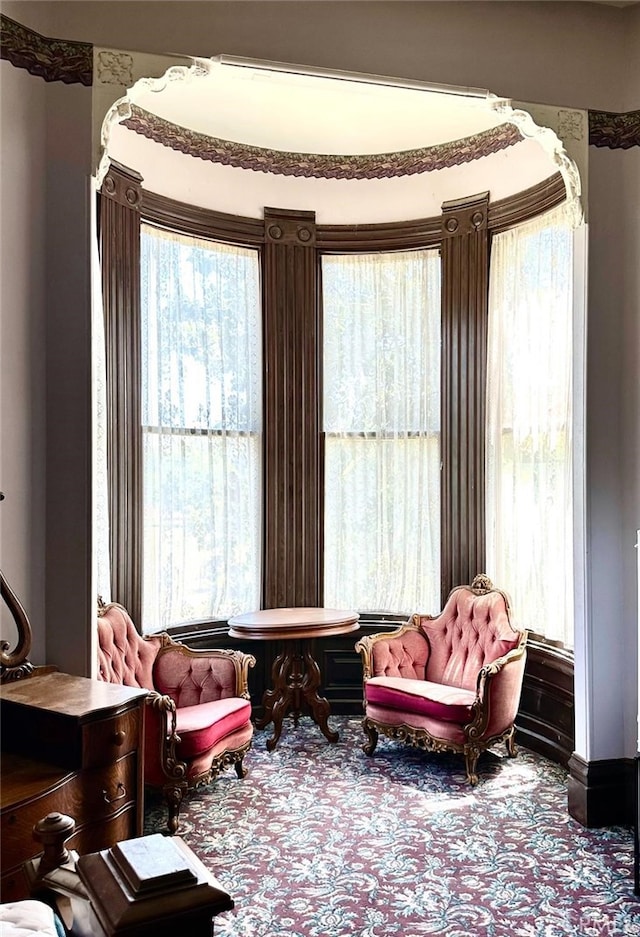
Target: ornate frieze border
51,59
321,166
613,130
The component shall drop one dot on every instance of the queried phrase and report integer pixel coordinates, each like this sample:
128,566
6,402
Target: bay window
340,416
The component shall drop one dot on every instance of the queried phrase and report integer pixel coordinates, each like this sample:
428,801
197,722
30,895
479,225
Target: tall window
381,420
529,423
201,427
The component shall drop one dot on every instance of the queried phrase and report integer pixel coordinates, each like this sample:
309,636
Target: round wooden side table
295,673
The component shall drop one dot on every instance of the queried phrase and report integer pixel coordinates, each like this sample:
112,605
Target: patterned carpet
321,841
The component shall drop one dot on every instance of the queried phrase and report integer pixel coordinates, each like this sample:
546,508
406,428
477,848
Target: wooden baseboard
602,793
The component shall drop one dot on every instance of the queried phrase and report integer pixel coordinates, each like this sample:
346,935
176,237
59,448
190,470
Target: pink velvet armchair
449,682
198,713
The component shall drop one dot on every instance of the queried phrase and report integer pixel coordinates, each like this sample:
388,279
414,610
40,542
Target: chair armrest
394,653
160,740
191,677
498,689
491,670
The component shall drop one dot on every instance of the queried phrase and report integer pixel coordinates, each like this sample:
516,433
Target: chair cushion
436,700
201,727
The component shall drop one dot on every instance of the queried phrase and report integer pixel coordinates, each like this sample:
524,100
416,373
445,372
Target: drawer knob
119,737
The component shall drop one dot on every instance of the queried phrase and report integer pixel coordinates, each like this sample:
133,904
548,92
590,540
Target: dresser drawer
13,885
122,825
108,739
90,798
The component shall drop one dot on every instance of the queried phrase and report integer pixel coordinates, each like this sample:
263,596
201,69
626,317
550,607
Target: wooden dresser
71,745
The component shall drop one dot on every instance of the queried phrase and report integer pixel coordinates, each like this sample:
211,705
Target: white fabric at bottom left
26,919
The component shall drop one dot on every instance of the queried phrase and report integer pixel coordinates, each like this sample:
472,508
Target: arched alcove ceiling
236,136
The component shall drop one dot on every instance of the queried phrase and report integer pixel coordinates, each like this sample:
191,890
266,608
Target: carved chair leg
369,747
471,754
241,771
173,795
512,749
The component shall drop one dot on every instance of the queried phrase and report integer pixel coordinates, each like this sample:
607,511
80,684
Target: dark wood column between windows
464,355
121,196
292,471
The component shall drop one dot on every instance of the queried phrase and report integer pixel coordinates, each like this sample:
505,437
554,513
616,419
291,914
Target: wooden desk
72,745
295,673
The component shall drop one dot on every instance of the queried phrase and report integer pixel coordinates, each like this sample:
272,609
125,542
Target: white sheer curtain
381,419
529,422
201,416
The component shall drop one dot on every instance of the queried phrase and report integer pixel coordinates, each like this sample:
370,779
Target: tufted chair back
123,655
191,680
403,656
471,631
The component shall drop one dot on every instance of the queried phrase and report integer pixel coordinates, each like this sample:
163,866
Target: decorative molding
120,200
201,222
285,230
465,289
465,216
613,130
293,521
571,125
539,198
123,185
321,166
401,235
385,236
114,68
51,59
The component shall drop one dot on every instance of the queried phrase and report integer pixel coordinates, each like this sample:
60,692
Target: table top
291,623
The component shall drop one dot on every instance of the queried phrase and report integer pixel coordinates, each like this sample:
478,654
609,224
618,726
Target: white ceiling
270,107
289,109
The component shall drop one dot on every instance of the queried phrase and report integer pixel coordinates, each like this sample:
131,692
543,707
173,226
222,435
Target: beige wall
570,54
70,603
555,52
22,346
613,441
45,361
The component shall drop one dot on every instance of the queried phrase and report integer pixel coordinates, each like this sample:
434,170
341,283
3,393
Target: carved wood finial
53,831
481,584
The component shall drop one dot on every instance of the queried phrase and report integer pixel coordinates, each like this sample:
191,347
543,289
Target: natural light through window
529,423
381,422
201,425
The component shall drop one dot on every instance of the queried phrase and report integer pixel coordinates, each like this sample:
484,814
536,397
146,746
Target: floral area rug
320,840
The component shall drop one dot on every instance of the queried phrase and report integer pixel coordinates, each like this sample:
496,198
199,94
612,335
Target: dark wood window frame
291,244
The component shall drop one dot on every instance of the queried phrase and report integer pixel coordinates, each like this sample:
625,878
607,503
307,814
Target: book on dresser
70,745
